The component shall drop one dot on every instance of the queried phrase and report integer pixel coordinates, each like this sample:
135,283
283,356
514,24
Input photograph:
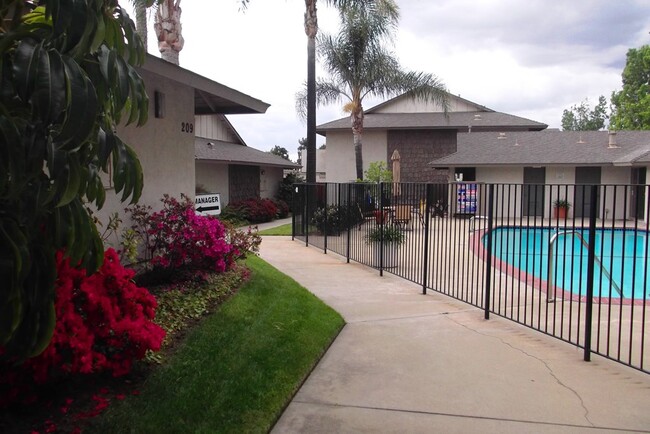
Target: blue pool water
623,253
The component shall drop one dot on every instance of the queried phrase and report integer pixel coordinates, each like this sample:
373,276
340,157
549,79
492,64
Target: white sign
208,204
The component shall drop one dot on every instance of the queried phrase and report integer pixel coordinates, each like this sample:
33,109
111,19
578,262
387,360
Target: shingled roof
217,150
549,147
461,121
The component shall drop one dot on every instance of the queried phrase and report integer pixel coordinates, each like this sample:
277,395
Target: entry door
533,195
586,176
637,204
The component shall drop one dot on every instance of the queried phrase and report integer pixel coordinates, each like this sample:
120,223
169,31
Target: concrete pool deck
407,362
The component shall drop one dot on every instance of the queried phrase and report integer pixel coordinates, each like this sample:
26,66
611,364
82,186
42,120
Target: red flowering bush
104,322
253,210
283,208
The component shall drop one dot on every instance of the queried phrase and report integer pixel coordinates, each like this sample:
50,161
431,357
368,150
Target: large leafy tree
360,64
583,118
280,152
631,105
68,79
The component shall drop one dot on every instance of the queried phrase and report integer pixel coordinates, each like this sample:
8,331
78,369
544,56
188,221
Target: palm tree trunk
311,110
357,129
169,31
141,21
311,28
358,154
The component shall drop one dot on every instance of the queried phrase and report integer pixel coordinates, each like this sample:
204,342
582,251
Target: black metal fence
505,248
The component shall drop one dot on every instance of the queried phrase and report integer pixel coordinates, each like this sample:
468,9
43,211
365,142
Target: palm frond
327,92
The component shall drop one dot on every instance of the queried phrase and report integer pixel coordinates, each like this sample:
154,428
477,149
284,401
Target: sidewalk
272,224
412,363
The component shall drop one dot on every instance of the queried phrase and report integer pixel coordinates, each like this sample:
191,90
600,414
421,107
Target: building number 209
187,127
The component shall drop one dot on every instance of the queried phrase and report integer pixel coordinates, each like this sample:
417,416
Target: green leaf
122,88
25,64
50,91
70,185
100,34
82,107
46,324
9,144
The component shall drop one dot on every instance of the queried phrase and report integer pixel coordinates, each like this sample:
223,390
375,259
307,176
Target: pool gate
570,261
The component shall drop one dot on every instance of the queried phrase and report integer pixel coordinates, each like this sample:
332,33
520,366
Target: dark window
469,173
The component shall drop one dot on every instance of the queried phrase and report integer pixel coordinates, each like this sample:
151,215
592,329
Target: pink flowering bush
178,238
104,322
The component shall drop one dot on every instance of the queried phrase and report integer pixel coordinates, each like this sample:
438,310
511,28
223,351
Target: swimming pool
623,255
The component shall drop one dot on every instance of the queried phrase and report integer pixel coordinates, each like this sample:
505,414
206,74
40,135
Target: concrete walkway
273,224
412,363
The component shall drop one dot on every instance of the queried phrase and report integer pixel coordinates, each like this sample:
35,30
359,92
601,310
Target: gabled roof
461,121
219,151
230,127
452,99
550,147
210,97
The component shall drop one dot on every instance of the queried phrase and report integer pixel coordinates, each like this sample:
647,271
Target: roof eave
241,103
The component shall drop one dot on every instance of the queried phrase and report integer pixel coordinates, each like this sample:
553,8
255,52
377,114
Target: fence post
591,254
425,256
294,190
488,266
327,229
349,214
381,228
306,216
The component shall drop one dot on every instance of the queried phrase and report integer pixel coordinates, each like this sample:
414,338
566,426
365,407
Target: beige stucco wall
270,179
341,166
165,152
214,178
564,175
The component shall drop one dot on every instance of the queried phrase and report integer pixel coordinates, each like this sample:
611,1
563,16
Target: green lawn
239,368
279,230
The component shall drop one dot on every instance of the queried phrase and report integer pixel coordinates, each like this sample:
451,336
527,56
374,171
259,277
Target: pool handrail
551,268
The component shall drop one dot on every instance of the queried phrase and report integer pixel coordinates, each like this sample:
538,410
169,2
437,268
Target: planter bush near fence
333,219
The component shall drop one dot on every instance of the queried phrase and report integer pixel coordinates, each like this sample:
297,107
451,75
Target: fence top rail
470,182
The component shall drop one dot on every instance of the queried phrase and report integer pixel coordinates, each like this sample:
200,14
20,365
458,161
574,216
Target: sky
530,58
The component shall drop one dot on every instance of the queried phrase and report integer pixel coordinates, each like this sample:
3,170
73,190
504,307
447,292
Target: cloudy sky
530,58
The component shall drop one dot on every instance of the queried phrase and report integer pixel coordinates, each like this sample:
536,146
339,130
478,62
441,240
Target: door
586,176
637,204
533,194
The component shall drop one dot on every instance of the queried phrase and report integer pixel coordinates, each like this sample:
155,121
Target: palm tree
169,30
359,64
311,29
140,7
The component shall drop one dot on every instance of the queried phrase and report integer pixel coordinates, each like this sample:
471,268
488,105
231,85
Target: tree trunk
357,129
311,110
358,154
141,22
311,28
169,31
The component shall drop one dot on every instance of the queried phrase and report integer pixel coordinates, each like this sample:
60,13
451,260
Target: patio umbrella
397,175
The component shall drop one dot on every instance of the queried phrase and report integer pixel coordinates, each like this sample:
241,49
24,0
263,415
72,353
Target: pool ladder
551,268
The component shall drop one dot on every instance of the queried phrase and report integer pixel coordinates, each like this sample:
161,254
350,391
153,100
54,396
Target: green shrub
333,219
286,190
